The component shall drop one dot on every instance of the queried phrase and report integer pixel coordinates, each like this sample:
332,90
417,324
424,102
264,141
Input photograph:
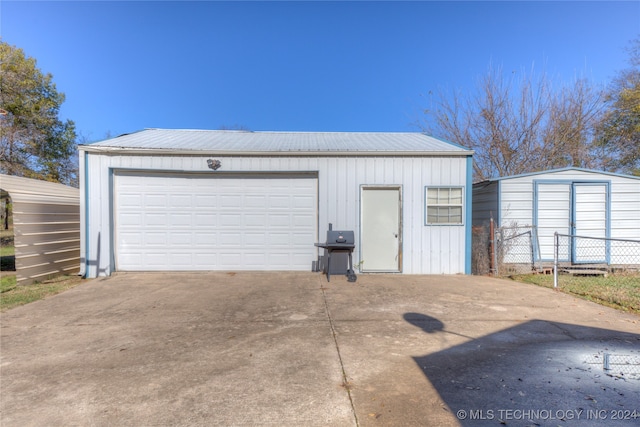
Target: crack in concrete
345,381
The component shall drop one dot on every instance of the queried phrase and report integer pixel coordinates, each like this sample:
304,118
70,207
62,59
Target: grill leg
351,275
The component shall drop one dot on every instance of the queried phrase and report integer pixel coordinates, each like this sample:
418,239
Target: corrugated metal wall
46,221
485,202
556,202
516,199
426,249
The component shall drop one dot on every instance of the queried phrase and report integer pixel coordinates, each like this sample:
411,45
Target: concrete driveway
290,349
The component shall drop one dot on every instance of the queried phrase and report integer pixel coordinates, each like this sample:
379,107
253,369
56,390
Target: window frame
461,206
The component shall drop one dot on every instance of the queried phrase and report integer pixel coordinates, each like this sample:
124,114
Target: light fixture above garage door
214,164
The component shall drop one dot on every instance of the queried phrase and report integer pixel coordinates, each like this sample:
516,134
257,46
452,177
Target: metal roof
37,191
551,171
180,141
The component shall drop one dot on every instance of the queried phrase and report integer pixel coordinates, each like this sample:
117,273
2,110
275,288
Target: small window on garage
443,205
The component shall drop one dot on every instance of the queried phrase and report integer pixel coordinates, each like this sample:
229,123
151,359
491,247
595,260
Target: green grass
7,251
7,282
620,291
13,295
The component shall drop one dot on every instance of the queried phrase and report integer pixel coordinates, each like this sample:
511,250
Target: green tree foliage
619,133
34,142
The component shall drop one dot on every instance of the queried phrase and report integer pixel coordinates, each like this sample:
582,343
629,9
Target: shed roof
37,191
552,171
181,141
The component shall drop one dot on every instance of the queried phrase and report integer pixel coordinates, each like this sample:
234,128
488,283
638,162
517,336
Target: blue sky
300,66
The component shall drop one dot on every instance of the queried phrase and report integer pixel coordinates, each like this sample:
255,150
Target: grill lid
340,237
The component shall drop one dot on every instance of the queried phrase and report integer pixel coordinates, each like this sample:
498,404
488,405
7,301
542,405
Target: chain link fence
610,261
504,251
516,250
601,269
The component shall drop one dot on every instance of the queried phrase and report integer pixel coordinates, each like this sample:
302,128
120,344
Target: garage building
198,200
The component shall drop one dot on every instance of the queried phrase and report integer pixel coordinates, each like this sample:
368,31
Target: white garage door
188,222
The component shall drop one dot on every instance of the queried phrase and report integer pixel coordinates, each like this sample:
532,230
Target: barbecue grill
339,241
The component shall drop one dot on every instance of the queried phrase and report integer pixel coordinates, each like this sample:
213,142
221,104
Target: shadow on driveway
537,373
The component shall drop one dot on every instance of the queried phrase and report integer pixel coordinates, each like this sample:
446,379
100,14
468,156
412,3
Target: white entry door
380,229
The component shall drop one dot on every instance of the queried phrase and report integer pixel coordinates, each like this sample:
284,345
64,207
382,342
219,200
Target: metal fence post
492,247
555,259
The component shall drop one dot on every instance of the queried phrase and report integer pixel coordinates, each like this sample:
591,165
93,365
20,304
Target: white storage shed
570,201
186,200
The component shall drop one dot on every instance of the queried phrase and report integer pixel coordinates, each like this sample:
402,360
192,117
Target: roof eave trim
148,151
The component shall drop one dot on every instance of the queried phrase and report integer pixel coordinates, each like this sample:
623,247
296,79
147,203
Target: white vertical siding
625,209
516,197
426,249
516,202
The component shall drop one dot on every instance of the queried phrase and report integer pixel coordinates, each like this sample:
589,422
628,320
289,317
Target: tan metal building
46,221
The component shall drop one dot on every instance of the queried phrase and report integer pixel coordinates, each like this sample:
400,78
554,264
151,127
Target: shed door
167,221
553,215
589,220
576,209
380,231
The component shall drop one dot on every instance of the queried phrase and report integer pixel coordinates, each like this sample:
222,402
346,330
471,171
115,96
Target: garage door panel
254,259
131,259
197,222
259,201
155,239
230,220
205,201
131,219
180,220
279,220
130,199
279,239
156,201
180,200
205,260
181,239
255,239
155,259
304,202
229,239
205,239
155,219
131,239
280,202
279,259
301,239
255,220
303,220
205,220
182,259
230,260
